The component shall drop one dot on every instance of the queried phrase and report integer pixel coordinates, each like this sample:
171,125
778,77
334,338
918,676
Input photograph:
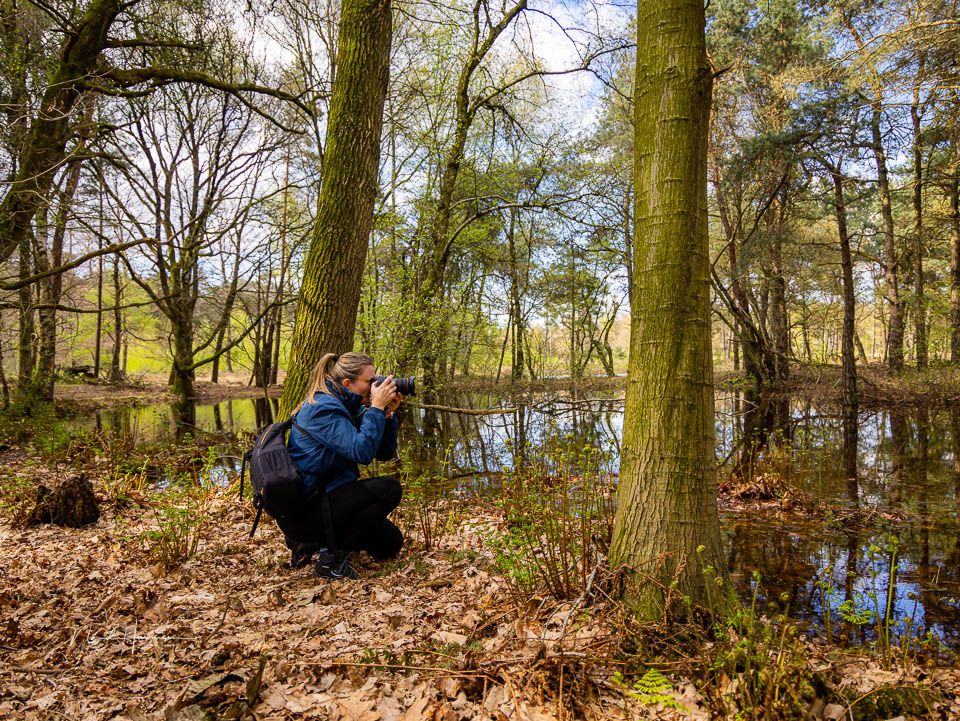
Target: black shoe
334,564
302,553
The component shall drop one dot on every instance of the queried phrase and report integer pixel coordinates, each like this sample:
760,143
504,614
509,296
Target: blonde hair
336,368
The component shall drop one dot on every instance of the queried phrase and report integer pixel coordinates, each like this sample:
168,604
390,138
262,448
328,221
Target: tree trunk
952,189
25,359
666,526
182,372
52,287
848,357
115,372
429,294
890,260
919,304
333,270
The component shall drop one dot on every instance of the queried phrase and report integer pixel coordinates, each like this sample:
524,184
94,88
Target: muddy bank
71,398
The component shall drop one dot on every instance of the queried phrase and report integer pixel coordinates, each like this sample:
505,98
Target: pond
886,486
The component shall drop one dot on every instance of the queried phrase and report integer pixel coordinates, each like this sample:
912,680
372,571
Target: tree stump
71,504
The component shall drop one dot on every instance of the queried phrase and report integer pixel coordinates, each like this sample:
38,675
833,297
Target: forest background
183,203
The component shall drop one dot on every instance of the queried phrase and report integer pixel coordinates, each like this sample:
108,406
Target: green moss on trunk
330,290
667,528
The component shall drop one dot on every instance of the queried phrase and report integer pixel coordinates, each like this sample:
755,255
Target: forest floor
127,619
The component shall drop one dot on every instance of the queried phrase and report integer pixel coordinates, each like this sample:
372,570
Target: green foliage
32,421
557,508
180,516
424,506
651,688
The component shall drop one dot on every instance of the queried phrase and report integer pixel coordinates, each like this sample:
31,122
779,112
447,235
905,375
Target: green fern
851,613
651,688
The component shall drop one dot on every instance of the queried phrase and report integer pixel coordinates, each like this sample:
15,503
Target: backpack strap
243,470
322,492
256,521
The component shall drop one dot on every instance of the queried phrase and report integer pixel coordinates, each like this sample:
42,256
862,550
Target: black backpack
277,486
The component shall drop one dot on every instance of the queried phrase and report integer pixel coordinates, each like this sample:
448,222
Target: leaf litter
92,627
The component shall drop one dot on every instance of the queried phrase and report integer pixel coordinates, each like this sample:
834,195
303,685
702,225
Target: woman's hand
394,404
384,394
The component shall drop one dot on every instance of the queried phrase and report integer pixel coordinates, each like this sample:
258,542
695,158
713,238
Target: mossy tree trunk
332,274
667,528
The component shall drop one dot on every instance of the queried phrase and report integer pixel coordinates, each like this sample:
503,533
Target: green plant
120,487
32,420
180,524
557,518
651,688
423,501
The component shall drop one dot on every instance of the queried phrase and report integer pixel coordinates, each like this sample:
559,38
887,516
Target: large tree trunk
330,289
666,526
182,372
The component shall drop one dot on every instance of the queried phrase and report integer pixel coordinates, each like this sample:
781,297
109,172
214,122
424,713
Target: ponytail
334,368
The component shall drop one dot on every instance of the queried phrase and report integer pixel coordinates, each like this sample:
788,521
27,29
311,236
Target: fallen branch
583,597
465,411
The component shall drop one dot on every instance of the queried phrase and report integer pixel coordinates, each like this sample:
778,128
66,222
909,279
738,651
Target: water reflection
879,474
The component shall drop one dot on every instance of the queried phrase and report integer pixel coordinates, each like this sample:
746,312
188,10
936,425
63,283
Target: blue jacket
350,434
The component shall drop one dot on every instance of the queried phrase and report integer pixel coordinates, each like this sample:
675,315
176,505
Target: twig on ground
581,599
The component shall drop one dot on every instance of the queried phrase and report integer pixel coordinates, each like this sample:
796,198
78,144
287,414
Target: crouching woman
344,421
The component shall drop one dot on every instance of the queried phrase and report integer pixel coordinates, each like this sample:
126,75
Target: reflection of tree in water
265,410
483,445
767,428
785,561
185,418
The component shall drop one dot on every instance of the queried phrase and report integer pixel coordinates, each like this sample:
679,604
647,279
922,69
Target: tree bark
919,303
847,346
332,273
45,147
890,259
27,327
666,528
115,372
952,190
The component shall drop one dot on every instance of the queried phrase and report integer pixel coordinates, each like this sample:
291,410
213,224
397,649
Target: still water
885,488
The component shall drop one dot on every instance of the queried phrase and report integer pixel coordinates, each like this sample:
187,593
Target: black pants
359,510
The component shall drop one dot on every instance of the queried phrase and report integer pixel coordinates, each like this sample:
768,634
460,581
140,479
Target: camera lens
405,386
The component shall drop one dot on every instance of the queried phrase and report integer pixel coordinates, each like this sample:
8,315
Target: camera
405,386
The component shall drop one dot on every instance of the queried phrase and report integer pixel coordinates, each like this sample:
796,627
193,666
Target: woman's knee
387,543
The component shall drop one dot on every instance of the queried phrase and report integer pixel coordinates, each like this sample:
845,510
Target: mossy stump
71,504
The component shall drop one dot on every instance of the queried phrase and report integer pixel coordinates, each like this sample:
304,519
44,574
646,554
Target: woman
345,420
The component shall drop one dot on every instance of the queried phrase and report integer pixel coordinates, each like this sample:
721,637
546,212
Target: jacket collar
351,401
